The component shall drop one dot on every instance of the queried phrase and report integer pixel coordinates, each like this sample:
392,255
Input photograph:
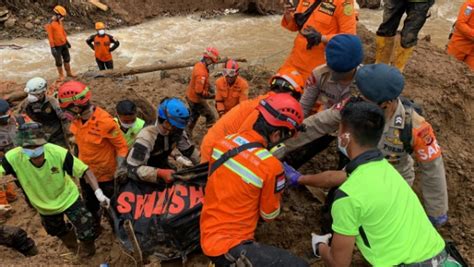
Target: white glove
316,239
185,161
104,200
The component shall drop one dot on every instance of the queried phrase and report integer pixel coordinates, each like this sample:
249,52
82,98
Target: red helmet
279,110
289,78
212,53
231,68
73,93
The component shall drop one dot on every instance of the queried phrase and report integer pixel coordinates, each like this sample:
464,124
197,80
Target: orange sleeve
465,14
49,30
244,93
219,97
200,78
115,136
425,145
346,19
291,25
271,193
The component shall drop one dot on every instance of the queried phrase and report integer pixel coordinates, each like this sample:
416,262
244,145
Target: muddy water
259,39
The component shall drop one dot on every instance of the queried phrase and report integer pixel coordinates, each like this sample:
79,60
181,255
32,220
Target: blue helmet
174,111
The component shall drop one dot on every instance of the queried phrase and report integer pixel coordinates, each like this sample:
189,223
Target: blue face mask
34,153
343,149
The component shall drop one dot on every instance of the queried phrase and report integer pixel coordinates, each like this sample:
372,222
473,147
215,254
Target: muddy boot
60,74
69,240
31,252
69,73
384,49
402,55
86,249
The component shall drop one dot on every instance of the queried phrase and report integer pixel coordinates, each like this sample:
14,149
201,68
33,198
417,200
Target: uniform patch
54,170
48,110
305,3
426,136
280,182
139,152
348,9
327,8
468,10
398,121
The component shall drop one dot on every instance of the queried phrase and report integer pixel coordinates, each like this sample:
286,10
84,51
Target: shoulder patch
468,10
398,120
280,182
139,152
348,9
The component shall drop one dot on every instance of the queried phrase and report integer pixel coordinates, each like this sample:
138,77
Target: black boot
69,240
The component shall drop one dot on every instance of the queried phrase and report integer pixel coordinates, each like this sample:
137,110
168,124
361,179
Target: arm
288,21
115,136
244,93
90,42
346,20
339,254
219,97
462,22
115,43
271,194
310,95
49,31
187,149
327,179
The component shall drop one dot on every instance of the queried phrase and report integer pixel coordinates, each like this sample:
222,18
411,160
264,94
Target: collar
398,118
366,157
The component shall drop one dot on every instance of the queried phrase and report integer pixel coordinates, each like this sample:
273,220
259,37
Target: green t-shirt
49,188
378,207
132,133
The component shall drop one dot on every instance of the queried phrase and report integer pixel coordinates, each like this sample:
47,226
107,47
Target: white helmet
36,86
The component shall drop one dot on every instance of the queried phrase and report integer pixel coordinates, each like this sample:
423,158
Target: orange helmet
73,93
289,79
60,10
99,26
279,110
231,68
212,53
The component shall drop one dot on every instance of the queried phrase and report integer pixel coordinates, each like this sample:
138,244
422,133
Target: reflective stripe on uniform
247,175
270,216
263,154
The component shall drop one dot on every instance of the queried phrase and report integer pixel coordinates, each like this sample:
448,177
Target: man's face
127,121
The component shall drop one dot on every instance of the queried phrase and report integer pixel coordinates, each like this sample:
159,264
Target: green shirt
132,133
49,188
377,206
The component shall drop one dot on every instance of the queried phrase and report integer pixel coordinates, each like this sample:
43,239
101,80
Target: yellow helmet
99,25
60,10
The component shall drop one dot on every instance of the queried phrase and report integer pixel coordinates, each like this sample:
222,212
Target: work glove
165,174
68,44
54,52
313,37
438,221
291,174
103,199
185,161
317,239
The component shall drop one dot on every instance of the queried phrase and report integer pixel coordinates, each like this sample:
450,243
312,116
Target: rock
10,23
29,25
37,20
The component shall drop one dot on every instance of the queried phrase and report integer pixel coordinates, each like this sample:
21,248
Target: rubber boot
69,73
384,49
402,55
86,249
60,74
69,240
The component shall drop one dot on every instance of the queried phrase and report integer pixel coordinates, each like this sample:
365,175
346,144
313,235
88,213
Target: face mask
34,153
341,148
32,98
101,32
127,125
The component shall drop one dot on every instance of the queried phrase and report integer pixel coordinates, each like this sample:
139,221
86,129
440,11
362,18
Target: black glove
54,52
68,44
313,37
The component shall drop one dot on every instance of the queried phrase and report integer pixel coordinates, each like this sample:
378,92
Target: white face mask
101,32
127,125
343,149
32,98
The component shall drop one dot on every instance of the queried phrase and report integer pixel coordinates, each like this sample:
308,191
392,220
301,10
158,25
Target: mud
443,86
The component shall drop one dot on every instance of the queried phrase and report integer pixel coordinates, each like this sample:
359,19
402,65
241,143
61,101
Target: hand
54,52
316,240
291,174
165,174
68,44
104,200
438,221
313,37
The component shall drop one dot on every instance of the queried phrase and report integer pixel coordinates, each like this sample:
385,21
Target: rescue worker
45,173
231,89
199,90
103,45
461,43
58,42
16,238
375,208
246,182
417,13
45,109
316,21
406,135
290,82
148,158
127,119
99,140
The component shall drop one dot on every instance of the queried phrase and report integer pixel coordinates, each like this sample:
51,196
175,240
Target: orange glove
165,174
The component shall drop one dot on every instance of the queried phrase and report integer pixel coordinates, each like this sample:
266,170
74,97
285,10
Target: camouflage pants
16,238
79,217
416,18
201,109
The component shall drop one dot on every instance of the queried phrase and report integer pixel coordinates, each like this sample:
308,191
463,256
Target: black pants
201,109
92,203
416,18
260,255
109,65
16,238
80,218
62,53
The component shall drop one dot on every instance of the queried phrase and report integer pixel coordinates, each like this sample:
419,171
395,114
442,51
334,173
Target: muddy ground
441,85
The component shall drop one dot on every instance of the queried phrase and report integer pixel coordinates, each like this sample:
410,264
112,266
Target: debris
10,23
29,25
99,5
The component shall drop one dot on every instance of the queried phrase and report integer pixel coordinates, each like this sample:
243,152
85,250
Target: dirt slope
443,86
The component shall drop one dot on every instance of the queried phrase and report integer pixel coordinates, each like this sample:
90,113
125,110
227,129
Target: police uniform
424,145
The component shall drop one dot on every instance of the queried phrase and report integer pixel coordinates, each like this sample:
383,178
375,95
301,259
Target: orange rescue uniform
254,180
100,142
461,45
227,96
241,117
56,33
199,84
329,18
